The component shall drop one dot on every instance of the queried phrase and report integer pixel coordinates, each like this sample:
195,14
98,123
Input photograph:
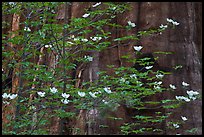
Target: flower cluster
184,118
65,100
172,21
192,94
185,84
48,46
85,15
137,48
163,26
180,98
81,94
172,86
131,24
107,89
148,67
10,96
41,94
159,76
95,38
53,90
88,58
27,29
97,4
176,125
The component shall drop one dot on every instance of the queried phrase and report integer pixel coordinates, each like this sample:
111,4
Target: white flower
89,58
176,125
107,89
53,90
159,76
131,24
172,86
133,76
95,5
41,94
27,29
70,43
113,8
122,80
184,118
11,3
157,87
72,36
6,102
5,95
65,101
76,39
185,84
47,46
148,67
81,94
13,96
93,94
158,83
183,98
137,48
96,38
105,102
85,15
84,40
172,21
163,26
192,94
65,95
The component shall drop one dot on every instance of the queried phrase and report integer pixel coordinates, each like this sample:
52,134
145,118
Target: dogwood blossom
148,67
176,125
96,38
185,84
65,95
172,86
6,102
163,26
133,76
41,94
159,76
158,83
192,94
70,43
184,118
89,58
65,101
13,96
107,89
53,90
95,5
183,98
81,94
48,46
137,48
85,15
5,95
10,96
104,101
172,21
84,40
27,29
93,94
131,24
